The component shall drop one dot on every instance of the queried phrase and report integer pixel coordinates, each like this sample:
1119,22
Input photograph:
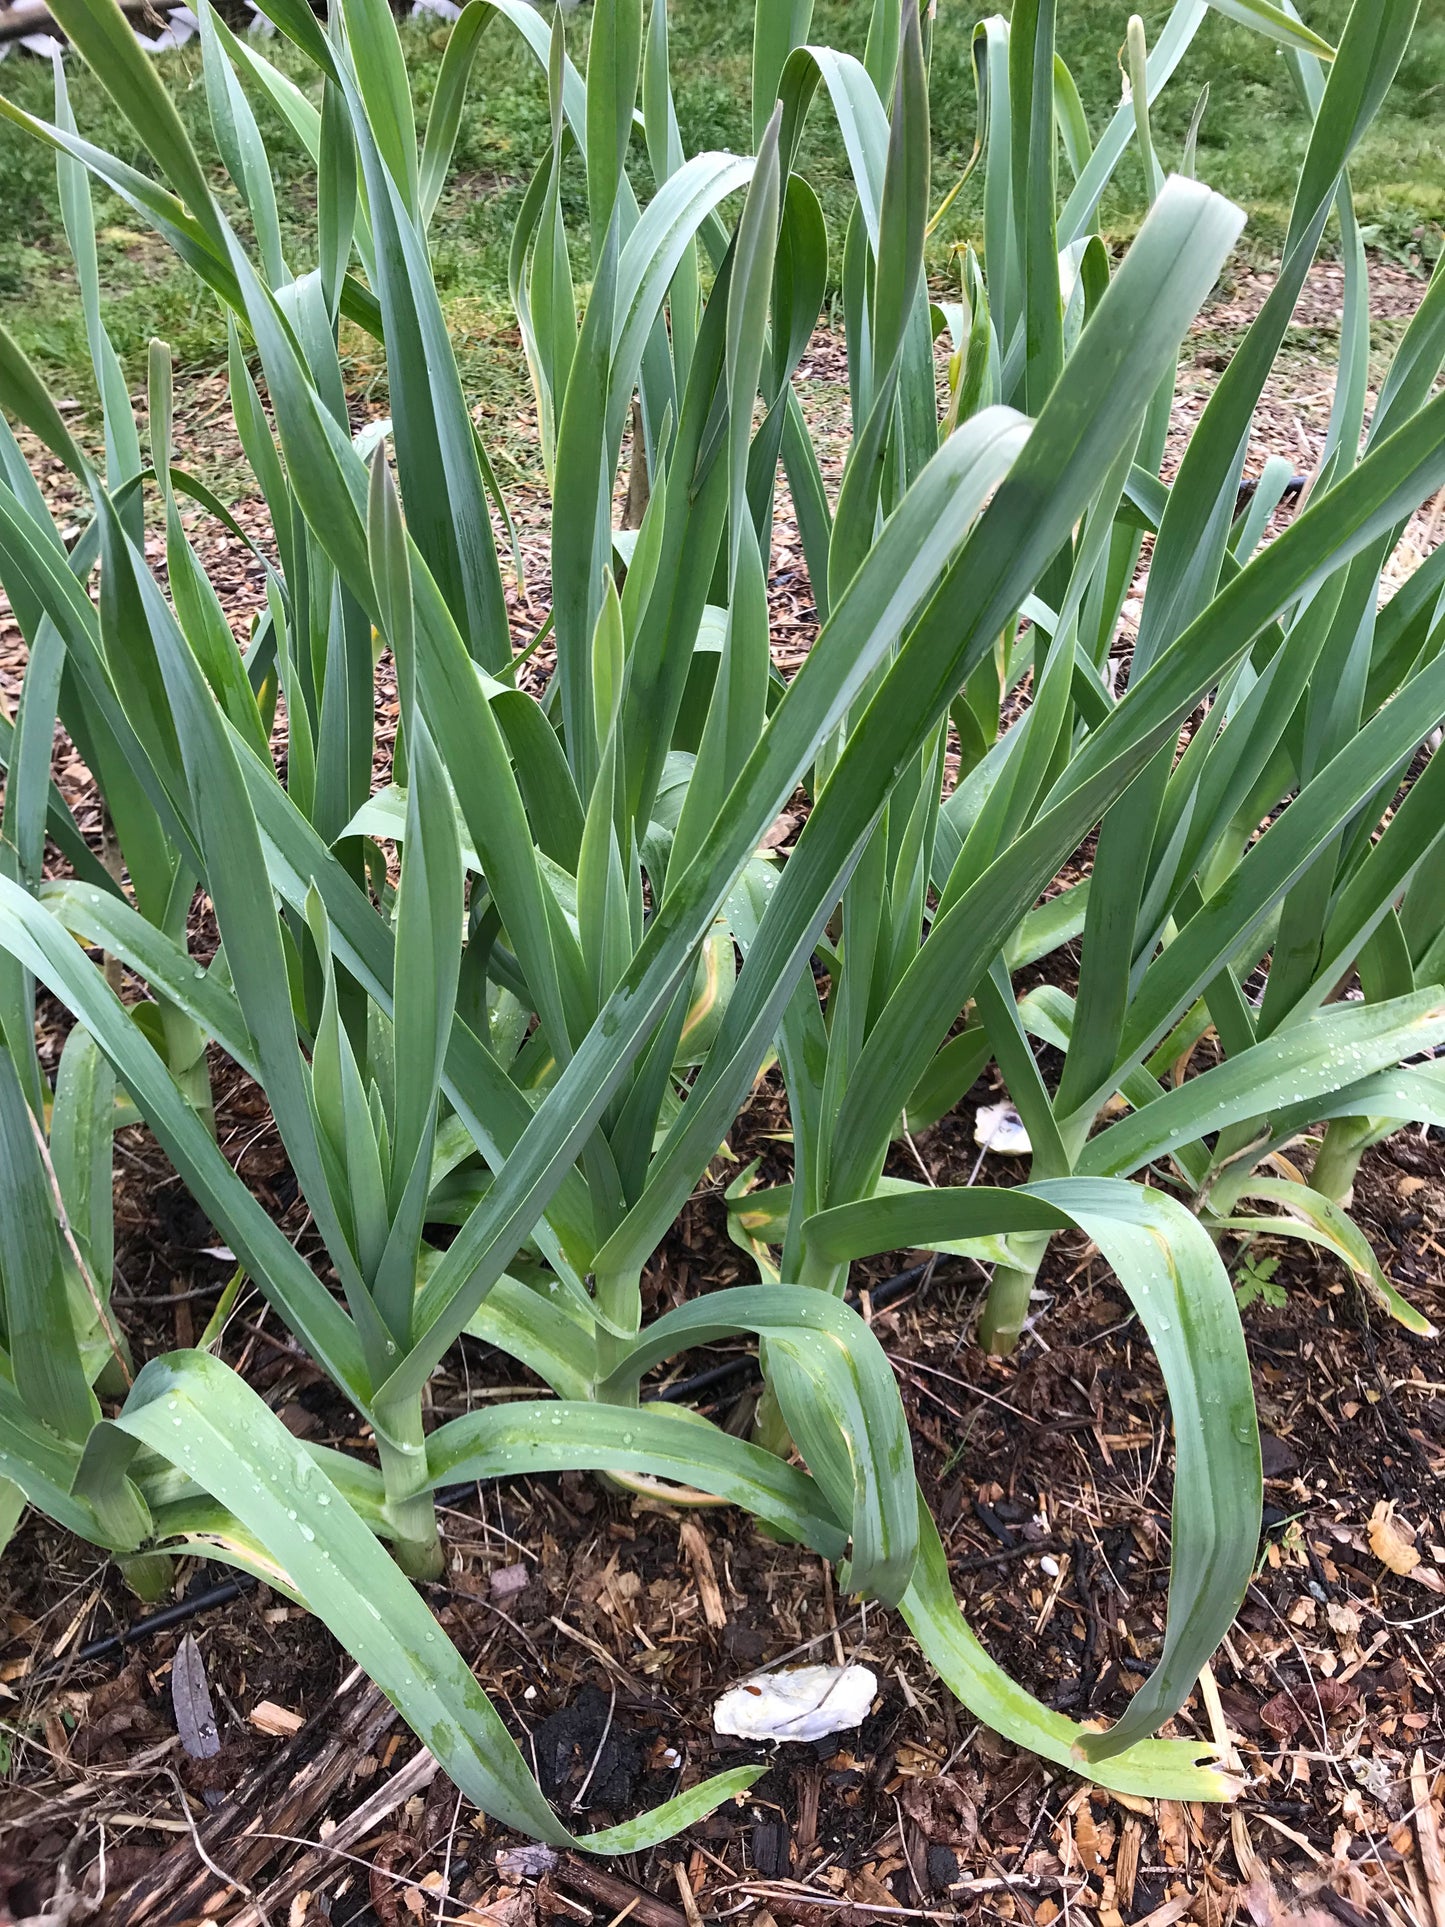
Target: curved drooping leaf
1166,1262
193,1411
840,1402
665,1442
1321,1222
1151,1769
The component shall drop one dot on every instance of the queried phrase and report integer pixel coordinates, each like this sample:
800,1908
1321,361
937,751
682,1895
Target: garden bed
604,1626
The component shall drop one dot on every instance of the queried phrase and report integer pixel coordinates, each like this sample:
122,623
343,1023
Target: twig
1431,1858
610,1890
601,1742
686,1895
418,1773
445,1894
226,1880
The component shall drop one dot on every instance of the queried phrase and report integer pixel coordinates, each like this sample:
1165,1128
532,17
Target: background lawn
1250,144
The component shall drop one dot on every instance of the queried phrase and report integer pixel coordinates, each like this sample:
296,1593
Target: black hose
156,1622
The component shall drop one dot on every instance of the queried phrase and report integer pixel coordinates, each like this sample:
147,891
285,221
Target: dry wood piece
311,1869
281,1796
1428,1833
279,1721
694,1544
586,1877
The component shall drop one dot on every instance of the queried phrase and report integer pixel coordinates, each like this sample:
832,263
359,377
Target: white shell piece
807,1703
998,1127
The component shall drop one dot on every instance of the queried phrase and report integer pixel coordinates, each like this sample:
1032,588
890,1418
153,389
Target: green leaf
107,41
194,1412
445,117
614,64
1171,1271
1316,1058
45,947
386,91
778,27
1306,1214
1275,23
39,1329
841,1406
239,140
657,1441
1149,1769
82,1135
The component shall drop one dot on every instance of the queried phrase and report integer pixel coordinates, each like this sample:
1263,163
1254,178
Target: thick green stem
1225,1188
148,1574
410,1505
813,1271
619,1297
1007,1305
1345,1142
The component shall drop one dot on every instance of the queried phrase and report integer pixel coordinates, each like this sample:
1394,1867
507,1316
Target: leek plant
535,1032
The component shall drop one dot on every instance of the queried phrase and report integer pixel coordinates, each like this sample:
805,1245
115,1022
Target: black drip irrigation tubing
156,1622
229,1589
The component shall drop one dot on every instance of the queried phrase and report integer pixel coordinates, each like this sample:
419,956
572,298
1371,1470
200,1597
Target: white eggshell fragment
807,1703
998,1127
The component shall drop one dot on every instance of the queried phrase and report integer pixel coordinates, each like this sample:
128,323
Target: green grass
1250,146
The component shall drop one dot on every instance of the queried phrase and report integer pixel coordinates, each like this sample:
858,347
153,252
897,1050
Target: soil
605,1625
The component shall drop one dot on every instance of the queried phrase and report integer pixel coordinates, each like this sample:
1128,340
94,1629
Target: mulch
604,1625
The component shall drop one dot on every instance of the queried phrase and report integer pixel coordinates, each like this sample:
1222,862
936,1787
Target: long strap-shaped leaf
1402,471
1151,1769
45,947
850,1401
881,601
554,1435
197,1414
1318,1220
39,1328
1172,1272
1091,415
1314,1059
